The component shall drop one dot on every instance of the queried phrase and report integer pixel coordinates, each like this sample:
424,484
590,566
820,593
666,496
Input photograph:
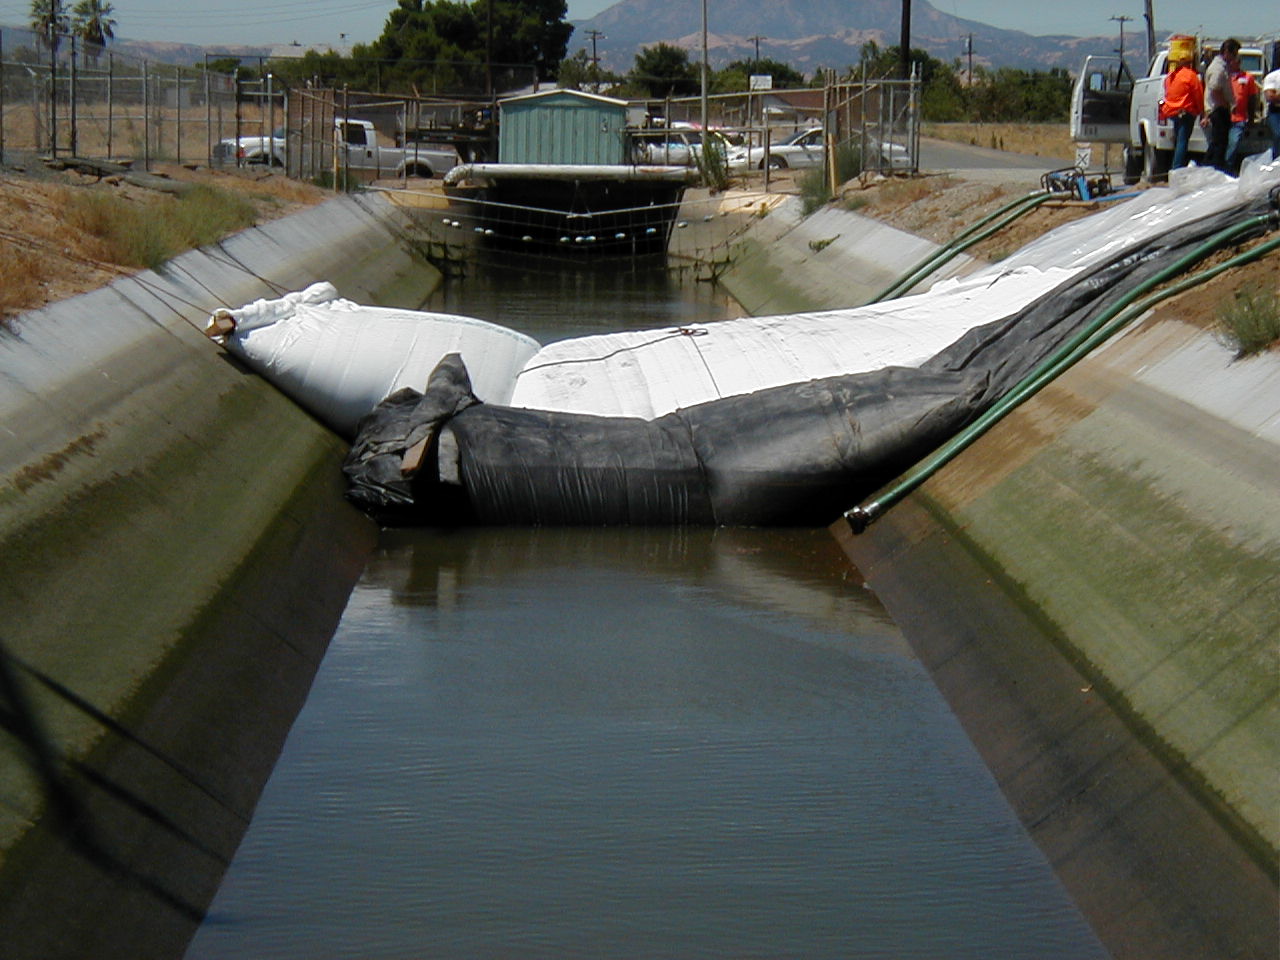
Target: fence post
53,95
75,132
146,117
271,121
111,75
1,96
339,140
208,117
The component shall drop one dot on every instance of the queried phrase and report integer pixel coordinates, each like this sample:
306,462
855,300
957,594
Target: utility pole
1150,17
969,50
704,66
905,43
1122,20
757,38
595,60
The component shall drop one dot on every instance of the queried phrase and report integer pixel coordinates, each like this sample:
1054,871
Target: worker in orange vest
1183,104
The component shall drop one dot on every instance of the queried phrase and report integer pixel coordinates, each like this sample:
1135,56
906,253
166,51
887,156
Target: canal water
627,743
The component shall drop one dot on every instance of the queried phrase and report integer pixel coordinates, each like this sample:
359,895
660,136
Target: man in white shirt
1271,96
1219,99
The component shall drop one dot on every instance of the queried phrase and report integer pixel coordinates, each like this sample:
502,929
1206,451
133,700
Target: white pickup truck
360,149
1150,143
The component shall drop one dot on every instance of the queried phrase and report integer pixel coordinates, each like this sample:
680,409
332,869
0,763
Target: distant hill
185,54
809,34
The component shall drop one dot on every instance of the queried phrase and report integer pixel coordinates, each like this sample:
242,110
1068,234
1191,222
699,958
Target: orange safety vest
1183,93
1246,88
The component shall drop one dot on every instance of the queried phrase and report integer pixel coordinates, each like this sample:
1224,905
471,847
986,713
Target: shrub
146,234
1250,321
20,276
712,164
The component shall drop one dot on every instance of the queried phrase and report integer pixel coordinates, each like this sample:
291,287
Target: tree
784,75
430,43
94,25
50,20
665,71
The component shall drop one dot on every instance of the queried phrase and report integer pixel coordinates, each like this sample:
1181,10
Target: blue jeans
1183,124
1273,121
1234,136
1219,127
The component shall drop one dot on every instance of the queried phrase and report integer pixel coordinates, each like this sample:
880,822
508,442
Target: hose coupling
861,517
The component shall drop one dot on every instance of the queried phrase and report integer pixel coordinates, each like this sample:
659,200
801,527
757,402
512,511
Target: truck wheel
1155,163
1133,161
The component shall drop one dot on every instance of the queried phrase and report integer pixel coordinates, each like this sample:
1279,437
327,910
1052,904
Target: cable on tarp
1106,324
976,233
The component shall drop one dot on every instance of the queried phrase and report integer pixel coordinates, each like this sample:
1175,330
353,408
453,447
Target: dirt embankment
53,245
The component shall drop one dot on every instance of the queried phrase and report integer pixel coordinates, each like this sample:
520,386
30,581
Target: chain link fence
78,100
876,119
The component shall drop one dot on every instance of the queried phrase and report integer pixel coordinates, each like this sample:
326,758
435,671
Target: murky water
627,744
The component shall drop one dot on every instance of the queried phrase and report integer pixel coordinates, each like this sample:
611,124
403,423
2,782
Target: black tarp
792,455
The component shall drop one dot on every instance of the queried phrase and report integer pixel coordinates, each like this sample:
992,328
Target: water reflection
609,744
549,304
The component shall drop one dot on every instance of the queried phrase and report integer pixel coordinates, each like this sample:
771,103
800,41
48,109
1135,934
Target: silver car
675,148
801,149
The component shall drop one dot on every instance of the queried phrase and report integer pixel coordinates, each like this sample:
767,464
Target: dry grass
176,136
1051,140
63,234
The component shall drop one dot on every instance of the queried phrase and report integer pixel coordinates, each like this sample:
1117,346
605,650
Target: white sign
1084,156
761,81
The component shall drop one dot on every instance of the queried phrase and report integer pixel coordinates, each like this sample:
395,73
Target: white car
805,148
674,148
801,149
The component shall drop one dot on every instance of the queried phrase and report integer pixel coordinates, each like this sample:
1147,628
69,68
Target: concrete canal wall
1094,587
174,555
789,263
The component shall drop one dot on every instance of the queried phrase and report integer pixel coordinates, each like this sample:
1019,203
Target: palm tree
94,25
49,19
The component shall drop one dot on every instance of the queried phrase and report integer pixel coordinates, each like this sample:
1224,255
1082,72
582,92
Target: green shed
562,126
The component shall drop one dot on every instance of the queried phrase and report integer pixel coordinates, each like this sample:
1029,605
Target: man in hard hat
1183,102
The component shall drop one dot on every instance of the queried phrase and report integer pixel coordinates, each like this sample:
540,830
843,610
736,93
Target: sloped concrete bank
1093,587
789,263
174,555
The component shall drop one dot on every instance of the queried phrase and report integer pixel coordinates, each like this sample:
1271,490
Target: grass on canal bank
66,233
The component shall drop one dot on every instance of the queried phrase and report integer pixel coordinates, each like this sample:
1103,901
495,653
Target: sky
262,22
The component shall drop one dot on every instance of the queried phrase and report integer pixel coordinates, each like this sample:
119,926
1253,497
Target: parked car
675,148
801,149
805,148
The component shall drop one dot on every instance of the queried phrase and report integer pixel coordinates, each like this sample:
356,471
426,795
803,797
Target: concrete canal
624,743
627,743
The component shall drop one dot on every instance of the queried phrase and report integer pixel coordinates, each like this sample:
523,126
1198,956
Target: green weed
1250,321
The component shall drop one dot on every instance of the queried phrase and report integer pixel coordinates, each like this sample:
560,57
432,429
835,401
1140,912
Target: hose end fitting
861,517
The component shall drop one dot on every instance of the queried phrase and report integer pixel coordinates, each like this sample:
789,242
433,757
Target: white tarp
649,373
340,359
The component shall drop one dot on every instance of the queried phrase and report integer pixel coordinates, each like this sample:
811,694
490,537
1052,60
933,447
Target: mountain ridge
810,34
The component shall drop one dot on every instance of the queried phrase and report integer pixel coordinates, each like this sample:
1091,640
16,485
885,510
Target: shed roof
559,92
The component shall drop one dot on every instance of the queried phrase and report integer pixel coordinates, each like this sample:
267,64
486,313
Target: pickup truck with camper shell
360,150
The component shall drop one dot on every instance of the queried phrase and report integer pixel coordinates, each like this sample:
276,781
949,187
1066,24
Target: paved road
979,163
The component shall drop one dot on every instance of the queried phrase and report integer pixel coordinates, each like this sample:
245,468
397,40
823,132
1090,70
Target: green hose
961,242
1095,332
